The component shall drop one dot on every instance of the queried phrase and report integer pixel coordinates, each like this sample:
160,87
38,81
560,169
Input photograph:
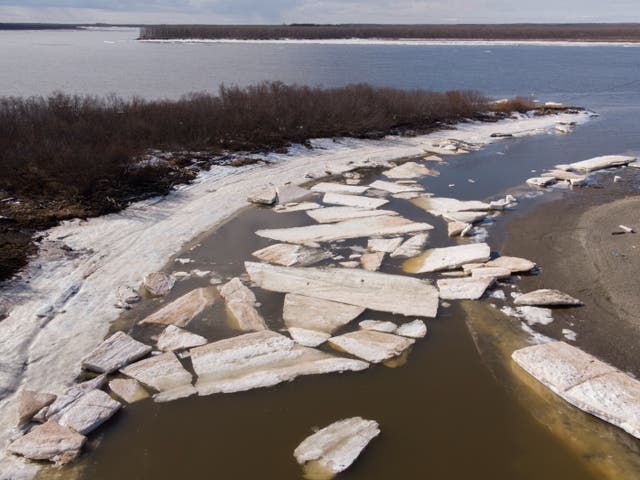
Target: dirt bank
572,240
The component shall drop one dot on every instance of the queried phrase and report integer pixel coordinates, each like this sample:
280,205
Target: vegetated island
571,32
67,156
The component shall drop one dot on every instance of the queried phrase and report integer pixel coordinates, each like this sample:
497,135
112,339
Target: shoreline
579,255
64,304
403,42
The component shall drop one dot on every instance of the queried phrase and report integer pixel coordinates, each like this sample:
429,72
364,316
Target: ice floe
334,448
374,290
585,381
184,309
447,258
356,228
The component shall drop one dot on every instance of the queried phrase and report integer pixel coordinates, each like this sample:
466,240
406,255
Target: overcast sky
319,11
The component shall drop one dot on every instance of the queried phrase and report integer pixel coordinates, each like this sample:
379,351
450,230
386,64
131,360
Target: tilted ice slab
316,314
326,187
340,214
373,290
116,352
447,258
384,245
89,412
334,448
598,163
184,309
407,170
353,200
441,205
411,247
547,298
79,282
360,227
163,373
463,288
393,187
371,345
261,359
586,382
241,308
288,255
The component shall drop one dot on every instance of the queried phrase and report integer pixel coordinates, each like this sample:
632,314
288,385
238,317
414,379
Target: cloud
319,11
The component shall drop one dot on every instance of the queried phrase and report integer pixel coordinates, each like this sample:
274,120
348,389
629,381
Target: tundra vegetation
584,32
67,156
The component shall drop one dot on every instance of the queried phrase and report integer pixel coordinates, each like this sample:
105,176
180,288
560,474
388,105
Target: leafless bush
85,146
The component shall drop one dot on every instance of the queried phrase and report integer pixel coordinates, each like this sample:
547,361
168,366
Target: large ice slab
164,373
241,303
183,310
174,338
353,200
32,402
49,441
89,412
330,187
585,382
442,205
463,288
373,290
287,255
371,345
447,258
260,359
361,227
384,245
334,448
316,314
128,389
114,353
407,170
393,187
340,214
411,247
598,163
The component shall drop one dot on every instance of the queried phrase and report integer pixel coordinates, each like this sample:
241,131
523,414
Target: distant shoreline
581,33
400,41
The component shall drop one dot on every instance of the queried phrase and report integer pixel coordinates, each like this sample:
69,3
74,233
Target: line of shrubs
65,156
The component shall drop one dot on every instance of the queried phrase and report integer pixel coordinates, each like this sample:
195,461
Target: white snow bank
63,306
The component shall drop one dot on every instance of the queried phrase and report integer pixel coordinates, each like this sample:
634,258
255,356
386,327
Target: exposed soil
582,251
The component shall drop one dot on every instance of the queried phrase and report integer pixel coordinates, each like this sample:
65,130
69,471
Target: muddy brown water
458,409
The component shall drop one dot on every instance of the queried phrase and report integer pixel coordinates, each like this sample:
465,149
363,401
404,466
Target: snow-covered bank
63,307
402,41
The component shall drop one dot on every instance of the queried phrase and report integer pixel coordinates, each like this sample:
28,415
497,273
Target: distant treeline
607,32
66,156
37,26
57,26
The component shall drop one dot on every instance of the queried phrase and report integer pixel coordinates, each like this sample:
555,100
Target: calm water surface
445,414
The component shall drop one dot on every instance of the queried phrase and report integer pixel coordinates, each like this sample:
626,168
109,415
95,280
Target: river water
449,412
